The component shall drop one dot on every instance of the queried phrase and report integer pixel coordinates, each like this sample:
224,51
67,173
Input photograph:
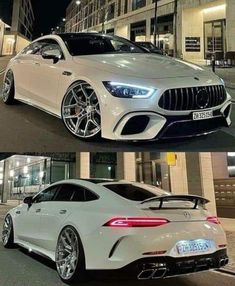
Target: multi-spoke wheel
70,259
8,93
81,111
7,232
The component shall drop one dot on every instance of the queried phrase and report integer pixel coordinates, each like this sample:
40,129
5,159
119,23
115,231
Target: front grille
193,98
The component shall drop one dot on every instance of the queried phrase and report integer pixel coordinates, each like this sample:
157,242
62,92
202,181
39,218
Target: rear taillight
213,219
136,222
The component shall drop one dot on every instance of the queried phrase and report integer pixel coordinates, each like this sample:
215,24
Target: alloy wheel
67,253
81,111
7,229
7,85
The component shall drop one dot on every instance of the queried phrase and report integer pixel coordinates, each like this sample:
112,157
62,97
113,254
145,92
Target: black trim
177,266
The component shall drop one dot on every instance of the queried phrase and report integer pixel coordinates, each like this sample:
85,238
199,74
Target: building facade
210,175
19,18
191,29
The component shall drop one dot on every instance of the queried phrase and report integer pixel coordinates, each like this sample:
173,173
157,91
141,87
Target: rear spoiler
190,198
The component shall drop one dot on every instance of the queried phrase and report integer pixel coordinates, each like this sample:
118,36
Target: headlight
124,90
222,81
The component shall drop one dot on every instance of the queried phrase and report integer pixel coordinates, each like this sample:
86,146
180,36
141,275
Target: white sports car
98,224
106,86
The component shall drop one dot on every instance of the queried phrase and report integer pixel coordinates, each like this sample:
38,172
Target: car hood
147,65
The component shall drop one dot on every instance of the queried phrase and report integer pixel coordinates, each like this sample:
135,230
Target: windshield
134,193
90,44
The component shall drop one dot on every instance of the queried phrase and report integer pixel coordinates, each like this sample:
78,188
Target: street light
78,2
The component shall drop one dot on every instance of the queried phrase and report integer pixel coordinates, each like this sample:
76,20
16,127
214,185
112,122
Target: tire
70,257
8,232
8,94
80,112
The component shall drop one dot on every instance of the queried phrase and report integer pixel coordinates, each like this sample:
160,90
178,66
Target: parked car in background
99,224
150,47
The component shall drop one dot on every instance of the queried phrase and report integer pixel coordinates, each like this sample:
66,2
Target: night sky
48,14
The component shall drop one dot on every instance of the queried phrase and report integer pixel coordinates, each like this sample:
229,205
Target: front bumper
166,266
154,125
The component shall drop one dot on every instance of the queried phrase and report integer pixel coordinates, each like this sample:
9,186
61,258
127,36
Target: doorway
215,37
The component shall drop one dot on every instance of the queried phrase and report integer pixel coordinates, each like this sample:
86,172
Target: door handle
38,210
63,211
17,212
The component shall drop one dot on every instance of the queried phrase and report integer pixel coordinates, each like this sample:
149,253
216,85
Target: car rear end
168,238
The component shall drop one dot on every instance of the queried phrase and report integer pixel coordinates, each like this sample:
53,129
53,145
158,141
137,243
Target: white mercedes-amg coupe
98,224
107,86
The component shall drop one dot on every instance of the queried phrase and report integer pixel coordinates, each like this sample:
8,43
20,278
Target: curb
229,270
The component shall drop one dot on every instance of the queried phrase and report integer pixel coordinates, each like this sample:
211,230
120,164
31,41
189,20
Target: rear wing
197,200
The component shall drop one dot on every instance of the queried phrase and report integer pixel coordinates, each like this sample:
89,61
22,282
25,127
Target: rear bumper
166,266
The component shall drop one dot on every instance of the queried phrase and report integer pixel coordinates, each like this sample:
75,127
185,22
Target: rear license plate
194,246
201,115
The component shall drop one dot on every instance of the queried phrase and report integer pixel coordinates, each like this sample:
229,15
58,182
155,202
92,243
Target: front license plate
194,246
202,115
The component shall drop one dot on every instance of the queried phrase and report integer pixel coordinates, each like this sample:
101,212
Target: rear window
130,192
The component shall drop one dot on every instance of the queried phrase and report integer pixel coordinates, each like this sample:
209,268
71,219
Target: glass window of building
103,165
137,4
111,11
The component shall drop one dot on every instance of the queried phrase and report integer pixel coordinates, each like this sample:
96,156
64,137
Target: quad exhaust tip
223,262
157,273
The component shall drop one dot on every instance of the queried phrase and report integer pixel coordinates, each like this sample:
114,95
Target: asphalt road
19,268
27,129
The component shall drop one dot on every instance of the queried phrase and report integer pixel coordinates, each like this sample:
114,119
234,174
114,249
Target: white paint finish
39,231
44,86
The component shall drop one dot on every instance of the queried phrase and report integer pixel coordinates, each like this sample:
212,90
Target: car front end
176,107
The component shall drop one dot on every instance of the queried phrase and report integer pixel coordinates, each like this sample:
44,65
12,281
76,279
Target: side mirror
28,201
54,55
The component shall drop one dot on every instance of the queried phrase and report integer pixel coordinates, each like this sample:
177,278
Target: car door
69,198
28,218
46,76
22,70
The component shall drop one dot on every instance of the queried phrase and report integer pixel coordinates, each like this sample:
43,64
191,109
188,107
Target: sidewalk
228,75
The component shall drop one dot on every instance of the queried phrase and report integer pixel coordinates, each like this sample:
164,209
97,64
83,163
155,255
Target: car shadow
98,278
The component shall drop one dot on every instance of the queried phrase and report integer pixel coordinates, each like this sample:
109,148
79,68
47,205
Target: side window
65,193
34,48
46,195
90,196
74,193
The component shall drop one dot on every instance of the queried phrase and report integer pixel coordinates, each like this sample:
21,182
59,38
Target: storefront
22,175
195,29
